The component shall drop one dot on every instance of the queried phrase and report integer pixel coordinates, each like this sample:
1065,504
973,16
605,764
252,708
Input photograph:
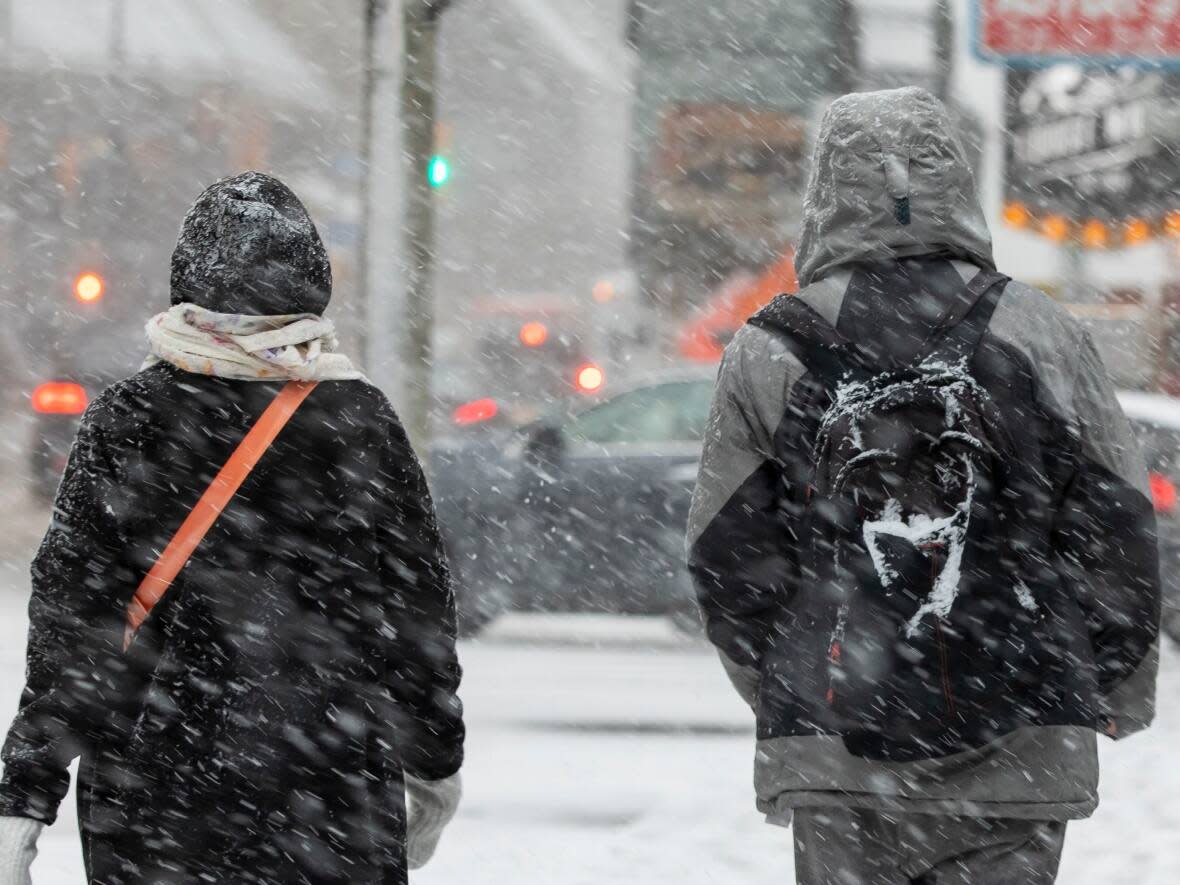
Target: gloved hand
430,805
18,847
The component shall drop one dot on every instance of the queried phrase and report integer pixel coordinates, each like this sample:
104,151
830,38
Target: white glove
430,807
18,847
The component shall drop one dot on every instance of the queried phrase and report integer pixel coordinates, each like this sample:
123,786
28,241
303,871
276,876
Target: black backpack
910,543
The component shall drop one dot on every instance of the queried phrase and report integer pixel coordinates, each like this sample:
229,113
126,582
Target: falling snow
514,245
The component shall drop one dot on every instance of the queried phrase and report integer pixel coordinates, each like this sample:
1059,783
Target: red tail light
589,378
1163,493
476,412
60,398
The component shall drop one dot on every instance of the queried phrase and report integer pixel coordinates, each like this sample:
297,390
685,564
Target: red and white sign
1044,30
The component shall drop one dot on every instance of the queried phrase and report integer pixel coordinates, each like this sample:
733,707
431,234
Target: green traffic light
438,171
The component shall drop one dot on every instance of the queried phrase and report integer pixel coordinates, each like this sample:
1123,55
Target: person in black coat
299,677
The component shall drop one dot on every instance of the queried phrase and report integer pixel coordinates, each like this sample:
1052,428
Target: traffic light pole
1074,280
376,243
418,117
846,70
418,103
6,45
400,47
944,49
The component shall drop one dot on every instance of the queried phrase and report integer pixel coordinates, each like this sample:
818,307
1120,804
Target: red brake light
59,398
1163,493
476,412
589,378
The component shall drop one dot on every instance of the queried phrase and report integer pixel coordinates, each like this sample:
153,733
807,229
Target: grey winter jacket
890,182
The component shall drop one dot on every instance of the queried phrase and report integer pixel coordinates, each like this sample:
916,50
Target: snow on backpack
929,628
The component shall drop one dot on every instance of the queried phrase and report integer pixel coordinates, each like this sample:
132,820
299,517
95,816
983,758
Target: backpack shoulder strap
959,332
202,517
810,337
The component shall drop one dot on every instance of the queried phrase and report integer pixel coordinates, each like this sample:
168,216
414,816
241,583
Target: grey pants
850,846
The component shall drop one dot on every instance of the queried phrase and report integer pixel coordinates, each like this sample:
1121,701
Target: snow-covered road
612,750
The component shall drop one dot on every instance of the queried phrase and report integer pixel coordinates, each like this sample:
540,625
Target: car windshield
1161,448
663,413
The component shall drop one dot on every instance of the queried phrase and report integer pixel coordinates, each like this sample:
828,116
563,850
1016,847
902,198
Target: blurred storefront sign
1090,163
724,92
721,166
723,183
1038,32
1091,153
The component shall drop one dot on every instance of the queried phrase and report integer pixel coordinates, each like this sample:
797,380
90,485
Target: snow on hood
248,246
889,179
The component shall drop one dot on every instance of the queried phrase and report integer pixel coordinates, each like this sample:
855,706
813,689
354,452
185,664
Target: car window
1161,448
662,413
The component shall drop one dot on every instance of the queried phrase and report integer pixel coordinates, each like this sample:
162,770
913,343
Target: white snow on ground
613,750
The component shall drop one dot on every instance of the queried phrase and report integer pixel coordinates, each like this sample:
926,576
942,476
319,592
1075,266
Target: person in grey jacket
892,235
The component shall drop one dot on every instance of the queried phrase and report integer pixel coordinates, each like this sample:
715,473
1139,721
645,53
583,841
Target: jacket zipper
943,665
947,695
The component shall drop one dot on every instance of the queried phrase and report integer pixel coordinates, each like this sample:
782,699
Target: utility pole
378,241
6,38
368,87
118,35
116,184
944,49
419,119
846,70
1074,278
397,202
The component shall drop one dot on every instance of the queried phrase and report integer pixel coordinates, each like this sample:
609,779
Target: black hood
248,246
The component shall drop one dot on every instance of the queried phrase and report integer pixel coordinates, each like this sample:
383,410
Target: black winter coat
303,660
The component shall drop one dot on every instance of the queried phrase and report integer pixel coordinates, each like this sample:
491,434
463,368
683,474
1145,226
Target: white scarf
250,348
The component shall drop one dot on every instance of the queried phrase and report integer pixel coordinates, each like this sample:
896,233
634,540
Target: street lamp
88,287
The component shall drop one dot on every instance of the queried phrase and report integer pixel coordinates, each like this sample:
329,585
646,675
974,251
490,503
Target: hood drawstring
897,185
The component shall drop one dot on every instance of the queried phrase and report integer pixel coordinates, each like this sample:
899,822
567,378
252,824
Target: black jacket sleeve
740,552
71,692
1106,536
421,667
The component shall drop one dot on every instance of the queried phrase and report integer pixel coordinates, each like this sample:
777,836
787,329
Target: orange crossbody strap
224,486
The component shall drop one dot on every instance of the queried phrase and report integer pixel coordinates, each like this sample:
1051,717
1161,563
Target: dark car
1157,420
586,510
57,405
581,511
89,351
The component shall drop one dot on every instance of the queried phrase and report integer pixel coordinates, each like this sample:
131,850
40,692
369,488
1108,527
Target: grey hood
889,179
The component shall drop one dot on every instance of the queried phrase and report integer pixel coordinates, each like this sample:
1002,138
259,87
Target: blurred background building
622,177
113,116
